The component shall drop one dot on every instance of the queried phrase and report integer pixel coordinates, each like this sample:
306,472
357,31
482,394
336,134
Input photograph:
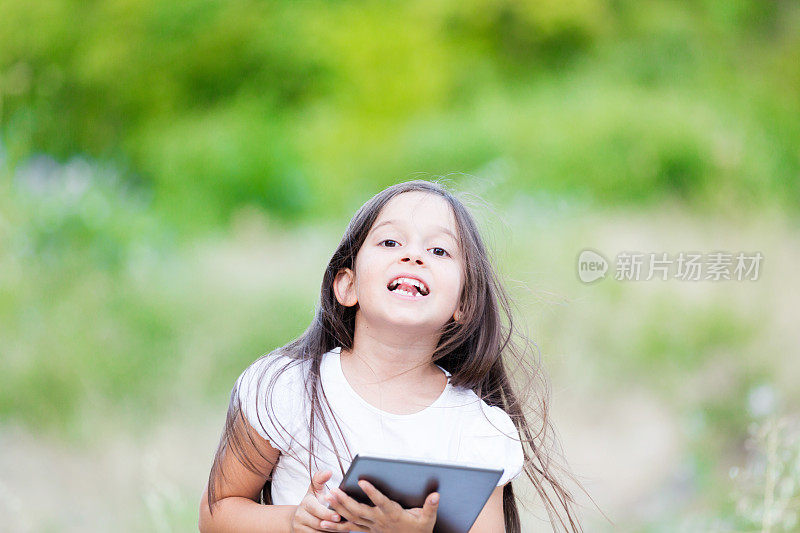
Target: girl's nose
416,256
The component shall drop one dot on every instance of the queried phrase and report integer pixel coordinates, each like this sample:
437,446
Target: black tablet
463,490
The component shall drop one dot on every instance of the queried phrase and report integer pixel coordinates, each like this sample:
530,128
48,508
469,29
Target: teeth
423,289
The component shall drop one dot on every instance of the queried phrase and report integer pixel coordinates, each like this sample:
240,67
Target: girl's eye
391,243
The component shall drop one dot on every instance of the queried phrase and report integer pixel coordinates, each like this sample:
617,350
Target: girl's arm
237,491
491,519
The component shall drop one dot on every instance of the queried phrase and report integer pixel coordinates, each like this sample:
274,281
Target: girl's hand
387,516
312,515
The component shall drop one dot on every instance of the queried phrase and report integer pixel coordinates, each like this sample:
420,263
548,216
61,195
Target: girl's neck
374,360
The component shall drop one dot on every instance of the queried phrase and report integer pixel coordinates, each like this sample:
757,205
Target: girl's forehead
417,208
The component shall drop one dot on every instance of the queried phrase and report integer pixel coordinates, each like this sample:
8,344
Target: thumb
431,506
318,481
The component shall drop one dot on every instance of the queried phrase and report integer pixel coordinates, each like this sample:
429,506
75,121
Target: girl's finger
355,512
317,509
430,507
375,495
334,504
324,525
312,524
345,514
305,522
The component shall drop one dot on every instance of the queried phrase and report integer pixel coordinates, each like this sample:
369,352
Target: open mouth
408,287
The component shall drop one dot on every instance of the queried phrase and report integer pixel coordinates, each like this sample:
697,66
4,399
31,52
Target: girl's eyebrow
441,229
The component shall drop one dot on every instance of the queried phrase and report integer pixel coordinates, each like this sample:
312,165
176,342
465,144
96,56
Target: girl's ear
457,315
344,288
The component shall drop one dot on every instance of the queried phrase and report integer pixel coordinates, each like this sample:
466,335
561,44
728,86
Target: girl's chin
415,320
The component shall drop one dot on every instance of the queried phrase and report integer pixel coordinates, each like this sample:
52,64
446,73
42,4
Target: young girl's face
414,237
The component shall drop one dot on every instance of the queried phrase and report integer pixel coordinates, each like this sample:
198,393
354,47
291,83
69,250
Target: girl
405,357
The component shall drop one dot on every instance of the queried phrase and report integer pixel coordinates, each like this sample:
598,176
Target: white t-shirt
452,429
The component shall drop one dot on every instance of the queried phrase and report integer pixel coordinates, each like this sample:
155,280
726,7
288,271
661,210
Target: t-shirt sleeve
512,448
272,409
498,443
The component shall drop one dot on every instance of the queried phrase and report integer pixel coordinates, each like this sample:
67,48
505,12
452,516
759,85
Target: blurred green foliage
98,312
297,107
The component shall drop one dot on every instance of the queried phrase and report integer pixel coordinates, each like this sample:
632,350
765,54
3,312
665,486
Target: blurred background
174,177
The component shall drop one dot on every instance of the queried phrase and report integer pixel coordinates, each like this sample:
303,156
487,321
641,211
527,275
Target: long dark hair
478,350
